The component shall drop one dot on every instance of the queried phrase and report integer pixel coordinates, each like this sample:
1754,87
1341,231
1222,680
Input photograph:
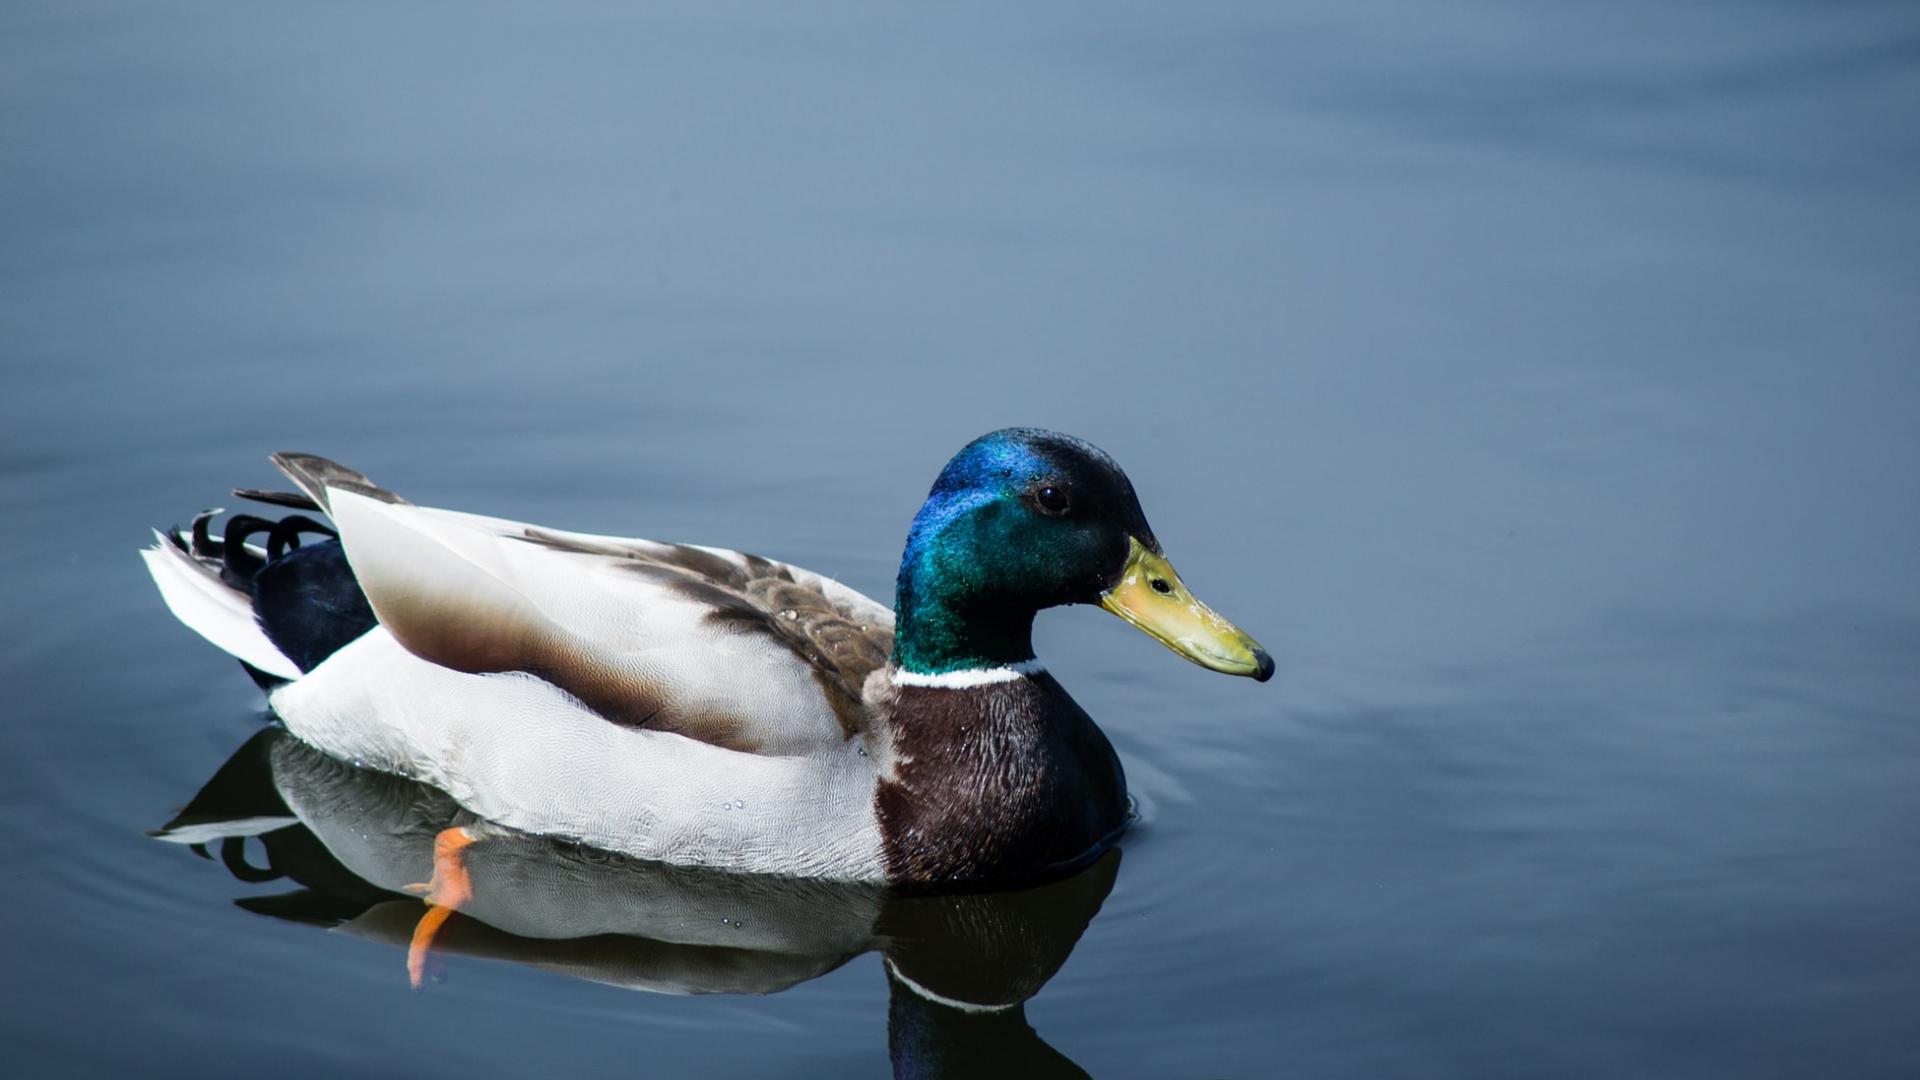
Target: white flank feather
521,752
211,609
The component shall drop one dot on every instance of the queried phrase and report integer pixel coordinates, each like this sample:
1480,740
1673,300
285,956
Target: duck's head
1024,519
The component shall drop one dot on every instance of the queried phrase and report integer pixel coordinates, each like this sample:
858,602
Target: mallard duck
700,706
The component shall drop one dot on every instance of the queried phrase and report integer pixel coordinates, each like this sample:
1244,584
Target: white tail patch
210,608
209,831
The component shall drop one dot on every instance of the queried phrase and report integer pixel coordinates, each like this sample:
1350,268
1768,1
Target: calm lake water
1538,383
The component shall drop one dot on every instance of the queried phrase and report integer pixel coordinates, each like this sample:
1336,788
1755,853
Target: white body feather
525,752
519,751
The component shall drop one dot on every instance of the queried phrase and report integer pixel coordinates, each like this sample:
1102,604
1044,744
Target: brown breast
998,782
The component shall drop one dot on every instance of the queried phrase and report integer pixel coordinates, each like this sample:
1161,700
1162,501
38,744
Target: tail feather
215,610
280,608
239,800
291,499
315,474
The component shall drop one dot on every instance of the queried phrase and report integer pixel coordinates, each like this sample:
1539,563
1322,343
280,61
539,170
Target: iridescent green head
1024,519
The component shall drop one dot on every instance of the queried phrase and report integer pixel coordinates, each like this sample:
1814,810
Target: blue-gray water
1539,383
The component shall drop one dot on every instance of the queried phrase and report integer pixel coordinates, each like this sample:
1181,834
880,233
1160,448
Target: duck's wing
719,646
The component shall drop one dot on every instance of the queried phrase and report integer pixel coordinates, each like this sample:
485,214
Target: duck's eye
1051,499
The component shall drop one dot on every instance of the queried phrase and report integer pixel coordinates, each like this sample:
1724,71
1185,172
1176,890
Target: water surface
1538,384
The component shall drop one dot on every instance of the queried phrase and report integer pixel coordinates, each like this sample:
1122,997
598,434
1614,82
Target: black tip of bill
1263,665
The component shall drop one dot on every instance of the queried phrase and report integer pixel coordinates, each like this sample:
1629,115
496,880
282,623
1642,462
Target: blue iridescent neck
954,606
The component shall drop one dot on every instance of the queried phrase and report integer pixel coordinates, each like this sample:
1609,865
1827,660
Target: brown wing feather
761,597
446,591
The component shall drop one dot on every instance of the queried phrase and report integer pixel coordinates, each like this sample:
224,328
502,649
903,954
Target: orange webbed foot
450,888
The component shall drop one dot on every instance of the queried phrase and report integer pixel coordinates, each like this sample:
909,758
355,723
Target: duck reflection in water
368,847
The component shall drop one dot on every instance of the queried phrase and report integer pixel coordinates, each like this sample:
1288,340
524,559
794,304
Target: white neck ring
968,677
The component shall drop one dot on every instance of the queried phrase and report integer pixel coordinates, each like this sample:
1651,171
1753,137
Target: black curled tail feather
305,597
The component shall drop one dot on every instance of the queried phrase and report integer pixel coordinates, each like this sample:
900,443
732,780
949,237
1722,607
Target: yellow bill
1152,597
